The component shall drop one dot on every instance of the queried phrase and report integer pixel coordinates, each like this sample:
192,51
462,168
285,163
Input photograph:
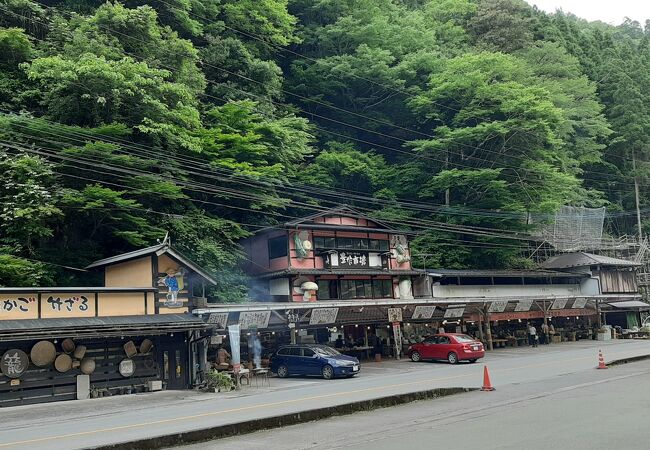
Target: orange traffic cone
601,361
487,386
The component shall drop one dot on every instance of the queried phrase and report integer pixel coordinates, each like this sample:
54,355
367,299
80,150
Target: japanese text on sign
498,306
423,312
254,319
14,363
559,303
323,316
69,304
394,314
353,259
218,319
523,305
454,313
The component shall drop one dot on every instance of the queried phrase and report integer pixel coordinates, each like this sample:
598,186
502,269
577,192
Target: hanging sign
579,303
14,363
498,306
323,316
523,305
423,312
559,303
235,355
354,259
454,313
394,314
254,319
126,367
397,335
220,320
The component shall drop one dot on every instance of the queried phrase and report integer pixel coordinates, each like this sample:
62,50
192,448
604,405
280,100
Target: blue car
312,359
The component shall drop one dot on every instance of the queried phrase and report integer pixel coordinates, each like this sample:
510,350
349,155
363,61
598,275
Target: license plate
355,368
475,348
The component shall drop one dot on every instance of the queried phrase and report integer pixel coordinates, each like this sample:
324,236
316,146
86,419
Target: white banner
394,314
220,320
323,316
254,319
523,305
498,306
579,303
235,355
559,303
454,313
423,312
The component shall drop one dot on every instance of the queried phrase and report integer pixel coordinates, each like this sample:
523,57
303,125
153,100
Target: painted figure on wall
174,282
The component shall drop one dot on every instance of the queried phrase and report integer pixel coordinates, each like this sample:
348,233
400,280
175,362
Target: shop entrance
174,363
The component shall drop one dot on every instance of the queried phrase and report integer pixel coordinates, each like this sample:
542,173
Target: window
307,352
283,351
377,244
356,289
382,288
430,340
293,351
278,247
443,340
462,338
328,289
344,242
324,242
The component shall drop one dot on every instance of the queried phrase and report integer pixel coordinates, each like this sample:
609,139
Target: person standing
551,332
544,336
532,335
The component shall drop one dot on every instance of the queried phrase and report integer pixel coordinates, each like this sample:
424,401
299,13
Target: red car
453,347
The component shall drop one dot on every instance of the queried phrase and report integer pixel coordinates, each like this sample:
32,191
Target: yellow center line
279,403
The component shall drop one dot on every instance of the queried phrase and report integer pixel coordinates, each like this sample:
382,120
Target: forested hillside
211,119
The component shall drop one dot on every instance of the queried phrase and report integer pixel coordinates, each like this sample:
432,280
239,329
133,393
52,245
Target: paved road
590,410
90,423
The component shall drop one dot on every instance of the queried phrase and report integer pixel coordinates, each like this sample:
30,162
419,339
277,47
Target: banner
235,357
254,319
559,303
454,313
523,305
498,306
323,316
394,314
423,312
219,320
579,303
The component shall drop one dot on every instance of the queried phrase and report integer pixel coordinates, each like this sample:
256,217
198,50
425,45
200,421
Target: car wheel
472,361
283,371
415,357
452,358
328,372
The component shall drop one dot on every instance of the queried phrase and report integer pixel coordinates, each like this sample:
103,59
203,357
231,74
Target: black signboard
354,259
14,363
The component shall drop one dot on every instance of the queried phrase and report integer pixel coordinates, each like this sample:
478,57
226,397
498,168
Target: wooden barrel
63,363
68,345
87,366
130,349
79,352
146,346
43,353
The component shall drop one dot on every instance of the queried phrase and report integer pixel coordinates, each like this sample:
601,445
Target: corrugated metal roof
582,259
504,273
98,326
630,304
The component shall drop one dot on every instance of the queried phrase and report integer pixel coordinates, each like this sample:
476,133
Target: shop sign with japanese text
353,259
14,363
394,314
498,306
423,312
323,316
219,320
454,313
254,319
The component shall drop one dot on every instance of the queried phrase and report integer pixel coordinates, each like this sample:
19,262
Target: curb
234,429
618,362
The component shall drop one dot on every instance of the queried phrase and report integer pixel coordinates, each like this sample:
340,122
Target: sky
610,11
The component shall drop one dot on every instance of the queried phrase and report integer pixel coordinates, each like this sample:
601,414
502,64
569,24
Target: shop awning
93,327
630,304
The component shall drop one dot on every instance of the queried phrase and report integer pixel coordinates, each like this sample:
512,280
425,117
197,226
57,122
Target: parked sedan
452,347
312,359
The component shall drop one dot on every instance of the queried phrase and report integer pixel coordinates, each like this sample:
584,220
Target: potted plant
219,381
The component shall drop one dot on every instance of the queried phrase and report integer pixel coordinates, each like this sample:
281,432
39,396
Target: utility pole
636,197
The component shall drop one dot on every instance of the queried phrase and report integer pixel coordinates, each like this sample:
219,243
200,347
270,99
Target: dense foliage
210,119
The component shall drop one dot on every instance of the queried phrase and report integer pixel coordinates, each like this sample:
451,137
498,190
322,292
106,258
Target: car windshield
464,338
326,351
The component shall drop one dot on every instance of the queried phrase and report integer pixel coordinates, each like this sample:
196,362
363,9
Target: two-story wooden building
337,255
132,331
